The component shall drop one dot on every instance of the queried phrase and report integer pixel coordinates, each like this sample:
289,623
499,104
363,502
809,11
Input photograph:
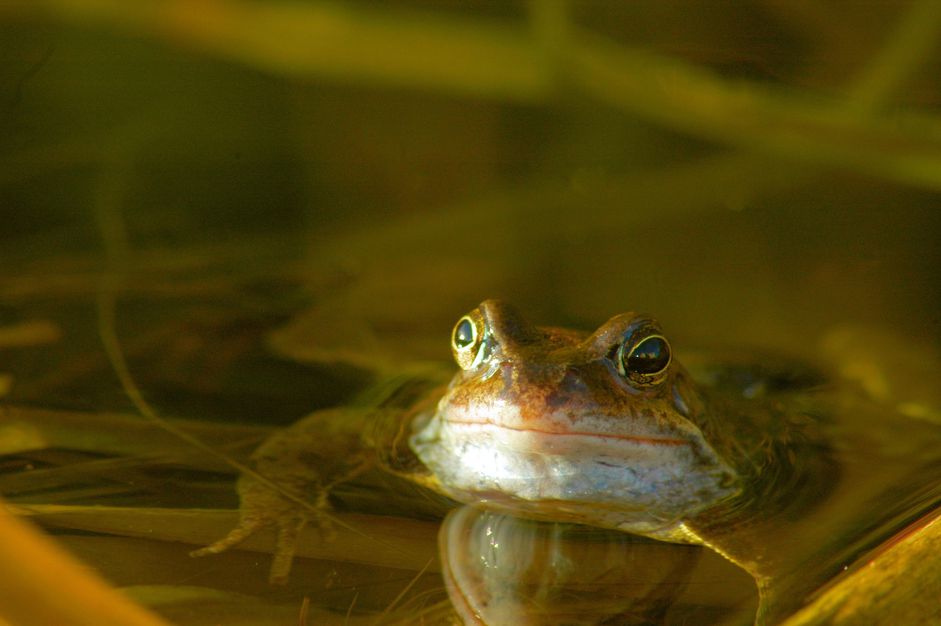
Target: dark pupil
649,357
464,334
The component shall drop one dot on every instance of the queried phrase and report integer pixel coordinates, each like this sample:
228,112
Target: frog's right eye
469,341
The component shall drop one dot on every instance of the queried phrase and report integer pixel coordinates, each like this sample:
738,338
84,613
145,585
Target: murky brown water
266,228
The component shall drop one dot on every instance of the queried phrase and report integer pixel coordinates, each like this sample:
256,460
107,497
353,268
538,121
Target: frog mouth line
655,441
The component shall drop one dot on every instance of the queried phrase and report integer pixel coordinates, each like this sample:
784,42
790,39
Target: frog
605,429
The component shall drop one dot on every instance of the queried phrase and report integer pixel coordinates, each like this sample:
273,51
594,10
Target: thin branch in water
404,591
114,235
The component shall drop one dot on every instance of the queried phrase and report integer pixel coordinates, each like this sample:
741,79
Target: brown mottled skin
547,423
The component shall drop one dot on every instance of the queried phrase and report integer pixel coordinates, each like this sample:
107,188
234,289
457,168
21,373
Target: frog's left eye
469,341
644,361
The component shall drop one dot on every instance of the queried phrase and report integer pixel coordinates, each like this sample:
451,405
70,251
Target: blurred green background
749,172
338,182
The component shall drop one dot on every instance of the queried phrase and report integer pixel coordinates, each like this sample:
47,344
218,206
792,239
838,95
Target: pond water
202,208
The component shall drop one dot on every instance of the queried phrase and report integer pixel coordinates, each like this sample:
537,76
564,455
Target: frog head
548,422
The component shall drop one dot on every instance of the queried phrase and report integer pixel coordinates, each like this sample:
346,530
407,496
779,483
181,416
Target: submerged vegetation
220,216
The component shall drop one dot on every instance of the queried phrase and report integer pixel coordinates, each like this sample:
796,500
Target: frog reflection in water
606,429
